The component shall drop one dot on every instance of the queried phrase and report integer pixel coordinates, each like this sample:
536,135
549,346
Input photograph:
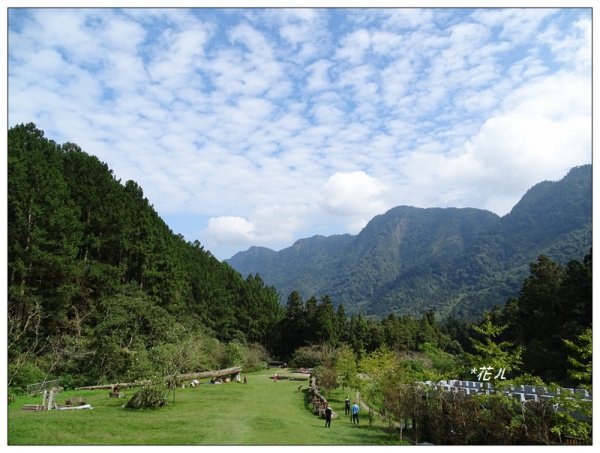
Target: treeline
550,320
543,334
97,282
317,322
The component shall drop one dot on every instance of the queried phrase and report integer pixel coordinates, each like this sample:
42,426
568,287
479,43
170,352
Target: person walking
347,406
355,410
328,413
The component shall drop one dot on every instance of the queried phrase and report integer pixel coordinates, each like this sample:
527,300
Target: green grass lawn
260,413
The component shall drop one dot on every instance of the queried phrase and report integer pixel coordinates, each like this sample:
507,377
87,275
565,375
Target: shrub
20,377
234,354
256,357
71,381
312,356
148,397
326,378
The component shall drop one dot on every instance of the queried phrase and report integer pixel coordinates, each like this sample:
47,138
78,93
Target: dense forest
96,279
101,290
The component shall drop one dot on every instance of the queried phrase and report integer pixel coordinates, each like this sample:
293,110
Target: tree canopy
96,278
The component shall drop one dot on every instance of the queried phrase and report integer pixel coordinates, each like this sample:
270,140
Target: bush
20,377
234,354
141,366
326,378
148,397
312,356
256,357
70,381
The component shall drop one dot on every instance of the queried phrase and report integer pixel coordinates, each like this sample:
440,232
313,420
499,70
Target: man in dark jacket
328,413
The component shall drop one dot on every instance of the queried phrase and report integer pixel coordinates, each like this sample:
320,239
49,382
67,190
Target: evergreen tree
292,331
342,324
401,334
359,334
311,318
580,359
554,305
492,353
539,301
43,231
325,325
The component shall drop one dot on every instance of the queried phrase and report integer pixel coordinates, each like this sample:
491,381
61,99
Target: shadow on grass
333,399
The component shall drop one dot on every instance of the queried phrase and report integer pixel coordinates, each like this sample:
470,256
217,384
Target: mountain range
456,261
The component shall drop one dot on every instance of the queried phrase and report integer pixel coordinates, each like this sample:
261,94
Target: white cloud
268,225
354,46
227,229
408,18
282,123
544,130
559,96
353,193
517,25
179,58
319,77
252,39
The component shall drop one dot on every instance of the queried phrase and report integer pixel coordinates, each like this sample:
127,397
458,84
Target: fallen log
291,377
34,407
180,377
65,408
211,374
123,385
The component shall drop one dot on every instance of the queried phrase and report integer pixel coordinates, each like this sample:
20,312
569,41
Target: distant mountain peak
454,260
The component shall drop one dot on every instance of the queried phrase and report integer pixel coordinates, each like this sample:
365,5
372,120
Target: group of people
349,410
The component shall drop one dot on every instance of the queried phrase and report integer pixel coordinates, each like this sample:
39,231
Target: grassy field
260,413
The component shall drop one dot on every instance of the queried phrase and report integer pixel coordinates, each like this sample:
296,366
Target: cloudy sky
261,126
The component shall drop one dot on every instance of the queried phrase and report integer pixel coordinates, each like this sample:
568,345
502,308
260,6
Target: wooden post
50,400
44,398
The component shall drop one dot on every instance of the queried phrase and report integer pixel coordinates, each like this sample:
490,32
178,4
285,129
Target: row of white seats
473,387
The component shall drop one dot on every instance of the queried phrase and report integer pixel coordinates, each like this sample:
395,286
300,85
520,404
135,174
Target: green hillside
455,261
99,287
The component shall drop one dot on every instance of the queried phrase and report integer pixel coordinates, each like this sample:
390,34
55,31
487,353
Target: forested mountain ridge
456,261
97,280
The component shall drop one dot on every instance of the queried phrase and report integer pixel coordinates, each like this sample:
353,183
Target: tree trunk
199,375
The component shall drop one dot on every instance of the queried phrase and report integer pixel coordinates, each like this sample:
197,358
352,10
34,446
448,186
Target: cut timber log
34,407
211,374
291,377
200,375
66,408
111,386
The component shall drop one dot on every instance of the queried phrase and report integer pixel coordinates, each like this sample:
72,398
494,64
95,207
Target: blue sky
261,126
